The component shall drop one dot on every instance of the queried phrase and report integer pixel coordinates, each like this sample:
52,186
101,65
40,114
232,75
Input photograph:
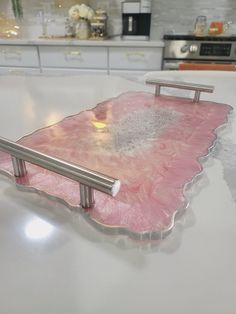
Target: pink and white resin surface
151,144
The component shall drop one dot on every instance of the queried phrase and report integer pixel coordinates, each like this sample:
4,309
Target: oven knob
193,48
184,49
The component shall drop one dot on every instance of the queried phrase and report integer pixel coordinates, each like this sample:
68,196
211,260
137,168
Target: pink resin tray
152,144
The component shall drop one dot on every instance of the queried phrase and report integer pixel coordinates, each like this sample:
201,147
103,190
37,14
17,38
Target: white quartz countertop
73,42
54,262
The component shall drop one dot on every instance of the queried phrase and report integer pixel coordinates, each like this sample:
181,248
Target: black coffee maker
136,20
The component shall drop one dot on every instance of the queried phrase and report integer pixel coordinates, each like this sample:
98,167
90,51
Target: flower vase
82,30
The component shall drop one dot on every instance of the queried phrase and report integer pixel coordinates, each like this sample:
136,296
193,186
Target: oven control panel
215,49
200,50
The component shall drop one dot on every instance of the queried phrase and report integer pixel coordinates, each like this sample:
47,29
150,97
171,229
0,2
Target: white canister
82,30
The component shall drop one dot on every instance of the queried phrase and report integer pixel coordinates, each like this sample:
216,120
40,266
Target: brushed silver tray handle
88,179
198,88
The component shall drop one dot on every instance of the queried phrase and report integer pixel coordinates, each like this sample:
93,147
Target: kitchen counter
53,261
116,42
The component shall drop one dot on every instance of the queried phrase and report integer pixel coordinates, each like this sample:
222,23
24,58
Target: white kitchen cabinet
135,58
20,56
73,57
122,58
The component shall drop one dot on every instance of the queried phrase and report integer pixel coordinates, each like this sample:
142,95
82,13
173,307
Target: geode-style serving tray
152,144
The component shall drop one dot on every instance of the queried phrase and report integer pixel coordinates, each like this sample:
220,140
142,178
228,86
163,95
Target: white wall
167,15
180,15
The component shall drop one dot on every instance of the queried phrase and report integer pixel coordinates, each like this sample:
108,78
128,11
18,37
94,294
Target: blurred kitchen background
168,16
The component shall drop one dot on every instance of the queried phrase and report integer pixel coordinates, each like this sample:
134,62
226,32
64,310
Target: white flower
74,12
90,14
83,11
80,11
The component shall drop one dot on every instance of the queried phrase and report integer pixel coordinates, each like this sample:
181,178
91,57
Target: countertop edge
92,43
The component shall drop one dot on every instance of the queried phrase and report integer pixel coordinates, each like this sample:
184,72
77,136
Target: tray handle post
86,196
19,167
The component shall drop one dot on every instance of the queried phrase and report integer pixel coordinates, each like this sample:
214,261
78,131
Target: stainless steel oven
188,51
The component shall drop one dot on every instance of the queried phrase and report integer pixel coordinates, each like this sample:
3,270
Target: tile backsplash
167,15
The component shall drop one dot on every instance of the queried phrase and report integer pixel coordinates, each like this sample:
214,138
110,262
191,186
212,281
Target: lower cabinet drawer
135,58
22,56
74,57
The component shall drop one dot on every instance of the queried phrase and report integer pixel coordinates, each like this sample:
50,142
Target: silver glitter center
137,129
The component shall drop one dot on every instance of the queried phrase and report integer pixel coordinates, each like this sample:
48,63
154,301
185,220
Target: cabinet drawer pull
72,54
135,54
16,71
10,53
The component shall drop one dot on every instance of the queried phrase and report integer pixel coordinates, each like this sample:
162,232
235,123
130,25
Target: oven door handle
198,88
